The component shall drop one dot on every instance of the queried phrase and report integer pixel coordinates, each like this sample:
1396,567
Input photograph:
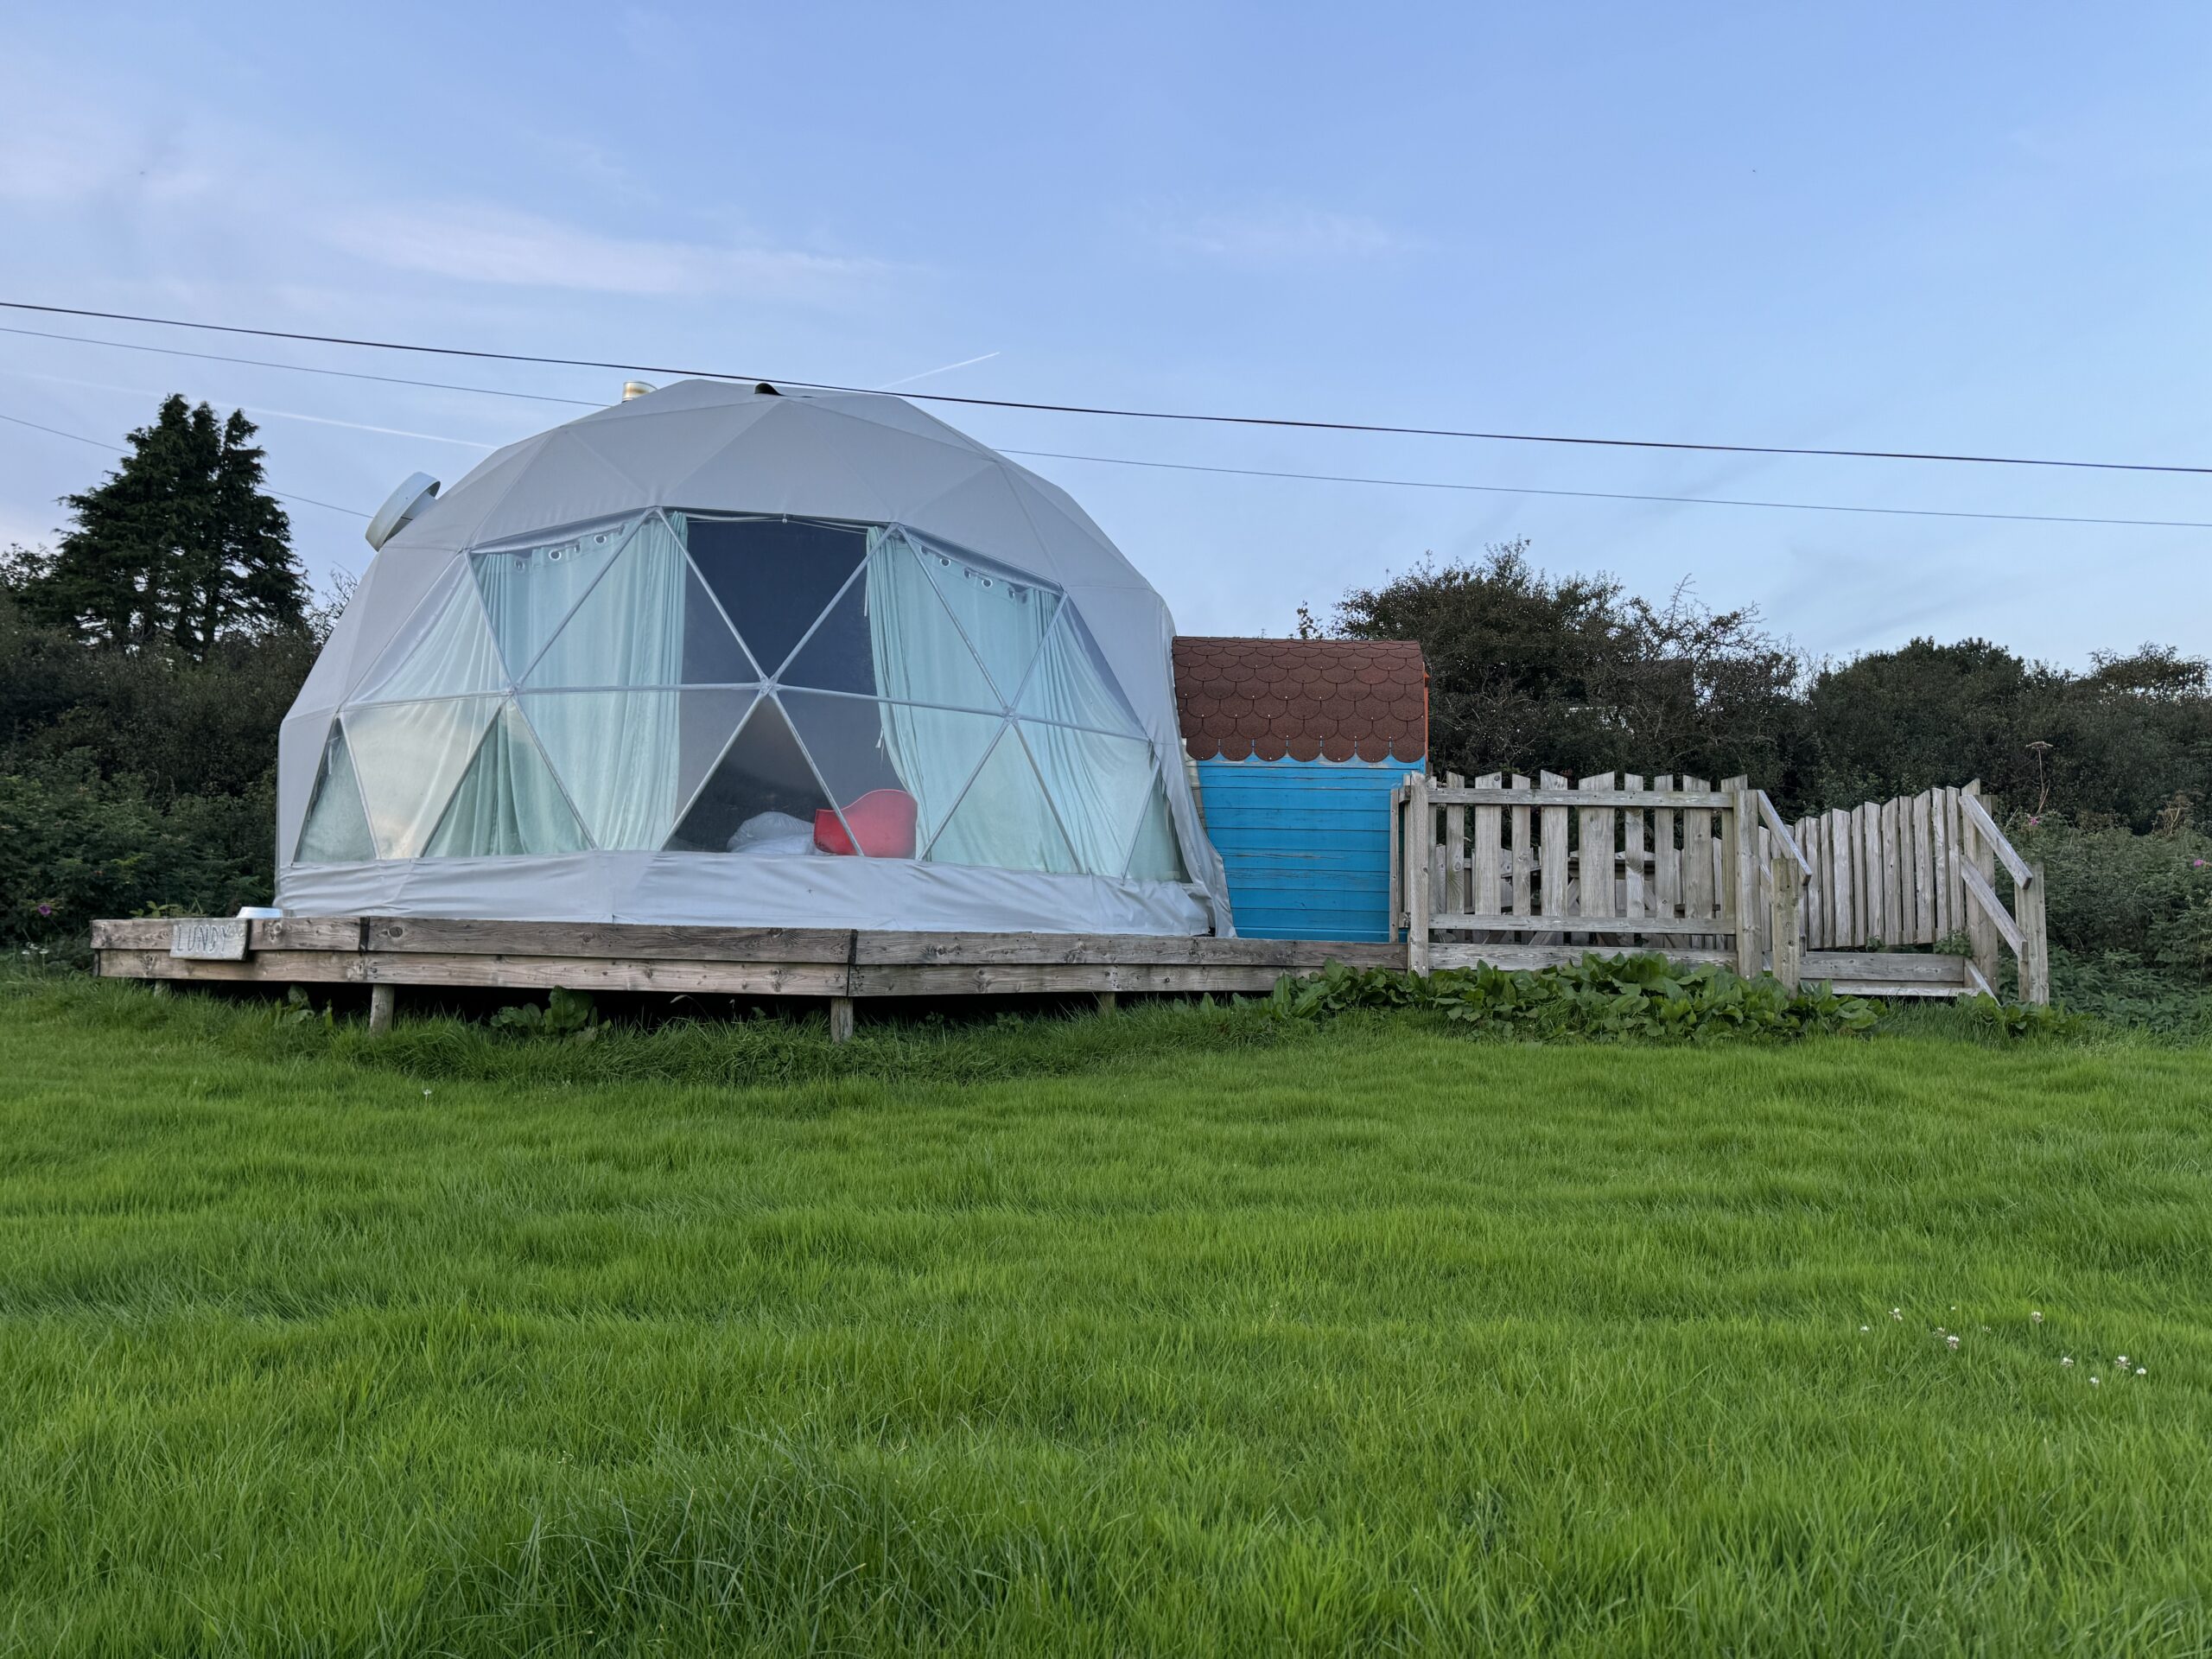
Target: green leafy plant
568,1016
2013,1020
298,1008
1643,996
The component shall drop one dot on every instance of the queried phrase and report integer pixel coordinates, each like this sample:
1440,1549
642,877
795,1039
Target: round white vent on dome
417,492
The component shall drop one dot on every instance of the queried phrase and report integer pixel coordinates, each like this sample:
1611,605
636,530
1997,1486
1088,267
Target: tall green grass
1181,1332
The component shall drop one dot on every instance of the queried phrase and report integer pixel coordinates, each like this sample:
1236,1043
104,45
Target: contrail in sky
947,369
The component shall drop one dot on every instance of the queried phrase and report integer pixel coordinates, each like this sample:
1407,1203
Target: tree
1530,672
2119,744
179,548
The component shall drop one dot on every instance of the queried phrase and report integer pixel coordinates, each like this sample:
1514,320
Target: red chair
882,820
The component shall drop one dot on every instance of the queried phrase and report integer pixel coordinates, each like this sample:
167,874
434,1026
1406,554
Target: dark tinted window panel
840,655
773,576
712,655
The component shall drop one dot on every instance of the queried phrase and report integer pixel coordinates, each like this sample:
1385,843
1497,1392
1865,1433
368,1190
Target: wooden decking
724,961
841,963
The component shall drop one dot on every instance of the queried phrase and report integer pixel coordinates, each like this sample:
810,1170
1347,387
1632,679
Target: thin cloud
494,245
1285,235
59,150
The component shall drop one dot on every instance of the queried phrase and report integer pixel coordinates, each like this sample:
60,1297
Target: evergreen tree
179,548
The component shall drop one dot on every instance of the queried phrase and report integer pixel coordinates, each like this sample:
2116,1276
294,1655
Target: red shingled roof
1309,699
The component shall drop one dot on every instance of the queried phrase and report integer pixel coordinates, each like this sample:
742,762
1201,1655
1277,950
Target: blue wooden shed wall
1306,844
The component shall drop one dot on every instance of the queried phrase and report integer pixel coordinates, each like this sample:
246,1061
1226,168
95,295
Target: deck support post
841,1019
1785,906
1108,1001
384,1001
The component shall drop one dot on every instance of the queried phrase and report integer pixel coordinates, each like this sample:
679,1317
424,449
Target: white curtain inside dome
1004,820
616,754
507,803
410,756
529,591
1098,784
1004,618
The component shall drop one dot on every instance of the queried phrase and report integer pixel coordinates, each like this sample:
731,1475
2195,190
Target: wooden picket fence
1922,870
1508,871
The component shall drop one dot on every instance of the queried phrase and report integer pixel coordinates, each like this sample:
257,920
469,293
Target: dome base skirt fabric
696,889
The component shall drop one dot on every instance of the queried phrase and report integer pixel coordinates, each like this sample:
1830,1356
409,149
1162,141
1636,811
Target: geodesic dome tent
721,655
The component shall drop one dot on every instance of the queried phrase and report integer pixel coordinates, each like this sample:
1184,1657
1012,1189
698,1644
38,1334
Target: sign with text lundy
208,941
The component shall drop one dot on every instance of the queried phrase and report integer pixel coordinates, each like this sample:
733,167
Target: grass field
1178,1332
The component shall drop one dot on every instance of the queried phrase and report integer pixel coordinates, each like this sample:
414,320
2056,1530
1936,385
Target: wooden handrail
1782,833
1991,906
1988,826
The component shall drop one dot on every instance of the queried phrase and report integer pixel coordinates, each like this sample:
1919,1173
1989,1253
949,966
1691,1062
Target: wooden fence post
1484,869
1420,840
1596,852
1741,872
1551,827
841,1019
2028,911
384,999
1522,887
1788,899
1455,850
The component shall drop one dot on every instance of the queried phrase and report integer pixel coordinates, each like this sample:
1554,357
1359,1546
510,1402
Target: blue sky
1967,227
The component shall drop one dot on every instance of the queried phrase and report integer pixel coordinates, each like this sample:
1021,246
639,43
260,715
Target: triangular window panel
773,576
1071,684
896,771
529,591
337,830
409,757
454,657
616,754
890,635
1099,784
507,804
629,630
706,721
1005,618
1004,820
712,655
762,797
841,654
1157,855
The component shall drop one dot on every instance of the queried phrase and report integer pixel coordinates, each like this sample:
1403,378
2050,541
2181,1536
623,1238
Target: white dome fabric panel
951,708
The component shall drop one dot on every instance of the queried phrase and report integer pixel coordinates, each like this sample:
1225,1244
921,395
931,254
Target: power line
1122,414
302,368
1193,466
1623,495
97,443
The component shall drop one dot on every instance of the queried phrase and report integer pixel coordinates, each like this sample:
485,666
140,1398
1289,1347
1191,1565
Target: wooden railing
1921,869
1521,875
